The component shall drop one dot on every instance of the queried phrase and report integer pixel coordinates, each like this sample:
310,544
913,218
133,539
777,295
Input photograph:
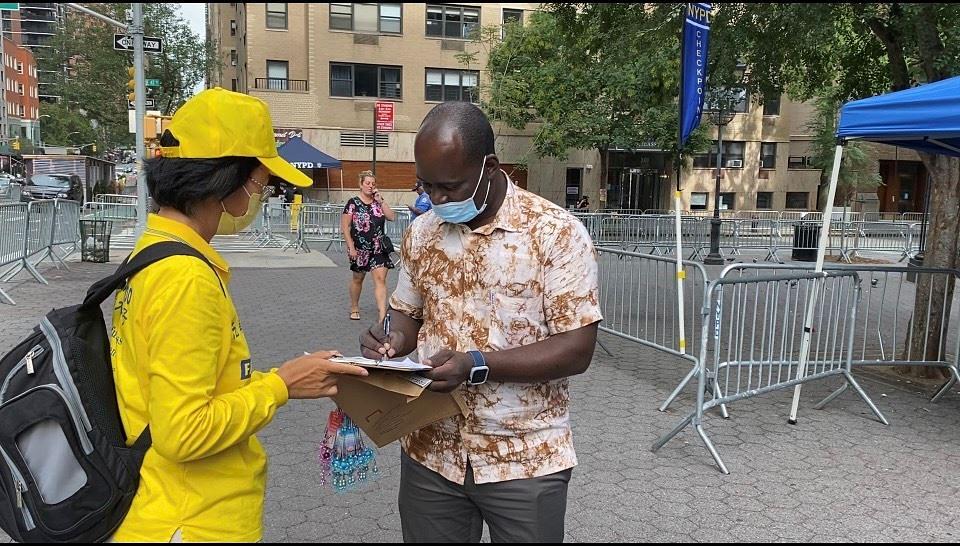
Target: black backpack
66,474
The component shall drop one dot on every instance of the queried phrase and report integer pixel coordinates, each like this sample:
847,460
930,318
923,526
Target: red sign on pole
383,114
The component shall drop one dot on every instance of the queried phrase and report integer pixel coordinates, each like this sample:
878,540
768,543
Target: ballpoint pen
386,332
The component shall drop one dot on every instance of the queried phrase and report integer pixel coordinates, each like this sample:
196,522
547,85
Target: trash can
806,237
95,240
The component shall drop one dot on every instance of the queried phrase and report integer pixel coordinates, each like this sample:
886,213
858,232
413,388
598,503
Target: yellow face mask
231,225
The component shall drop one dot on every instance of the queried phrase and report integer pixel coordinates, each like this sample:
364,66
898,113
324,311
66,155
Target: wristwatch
480,371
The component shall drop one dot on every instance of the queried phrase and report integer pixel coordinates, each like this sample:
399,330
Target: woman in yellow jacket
181,361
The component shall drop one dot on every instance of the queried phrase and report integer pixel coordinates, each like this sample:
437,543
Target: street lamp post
723,112
720,117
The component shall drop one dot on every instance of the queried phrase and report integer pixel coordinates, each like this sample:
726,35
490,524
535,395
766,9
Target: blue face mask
462,212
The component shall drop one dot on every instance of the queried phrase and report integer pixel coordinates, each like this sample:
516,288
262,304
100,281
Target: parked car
53,186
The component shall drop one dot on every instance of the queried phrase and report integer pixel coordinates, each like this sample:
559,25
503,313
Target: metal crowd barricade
319,224
694,232
13,231
880,237
66,229
593,221
118,212
800,215
782,238
880,216
891,329
274,221
897,331
751,339
398,228
41,217
11,194
638,298
115,199
913,238
913,217
115,207
769,232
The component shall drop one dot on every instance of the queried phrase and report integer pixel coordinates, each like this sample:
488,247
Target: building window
732,156
797,199
277,16
385,18
278,75
233,28
727,201
771,106
366,80
452,21
391,18
800,155
768,155
233,57
699,201
511,17
233,84
452,85
19,67
738,99
341,16
764,200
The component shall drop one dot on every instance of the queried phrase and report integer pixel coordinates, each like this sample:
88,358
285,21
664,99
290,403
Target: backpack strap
102,289
143,443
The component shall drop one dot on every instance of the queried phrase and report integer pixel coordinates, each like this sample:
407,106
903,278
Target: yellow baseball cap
220,123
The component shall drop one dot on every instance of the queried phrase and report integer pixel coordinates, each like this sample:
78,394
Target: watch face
479,375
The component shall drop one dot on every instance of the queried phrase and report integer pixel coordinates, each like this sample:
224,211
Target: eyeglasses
265,191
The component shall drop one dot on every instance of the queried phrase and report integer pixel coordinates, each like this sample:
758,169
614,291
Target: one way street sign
124,42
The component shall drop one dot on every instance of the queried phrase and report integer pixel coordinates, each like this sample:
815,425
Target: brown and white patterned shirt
528,275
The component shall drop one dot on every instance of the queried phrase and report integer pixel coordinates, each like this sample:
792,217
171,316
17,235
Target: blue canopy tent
302,155
924,118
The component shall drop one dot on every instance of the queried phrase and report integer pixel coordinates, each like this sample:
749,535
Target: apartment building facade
21,92
321,67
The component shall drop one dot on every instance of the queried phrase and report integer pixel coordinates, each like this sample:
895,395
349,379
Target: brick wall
396,175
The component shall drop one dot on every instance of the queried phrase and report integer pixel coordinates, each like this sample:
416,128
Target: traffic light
15,145
132,84
94,149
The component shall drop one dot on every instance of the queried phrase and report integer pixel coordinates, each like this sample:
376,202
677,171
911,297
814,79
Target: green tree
857,169
90,77
859,50
577,77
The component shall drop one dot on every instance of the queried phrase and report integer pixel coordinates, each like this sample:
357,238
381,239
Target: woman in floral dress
363,223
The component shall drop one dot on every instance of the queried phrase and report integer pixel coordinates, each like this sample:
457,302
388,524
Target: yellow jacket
181,363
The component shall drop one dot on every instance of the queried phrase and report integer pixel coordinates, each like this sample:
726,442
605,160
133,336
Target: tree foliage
858,171
848,51
580,81
90,77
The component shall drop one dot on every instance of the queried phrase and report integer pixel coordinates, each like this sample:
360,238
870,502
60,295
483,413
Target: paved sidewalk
837,476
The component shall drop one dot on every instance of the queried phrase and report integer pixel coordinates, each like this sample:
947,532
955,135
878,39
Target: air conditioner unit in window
734,163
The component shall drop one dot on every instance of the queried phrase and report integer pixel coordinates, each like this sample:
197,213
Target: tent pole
815,288
341,182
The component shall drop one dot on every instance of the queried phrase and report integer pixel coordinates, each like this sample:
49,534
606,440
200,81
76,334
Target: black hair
475,130
183,183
